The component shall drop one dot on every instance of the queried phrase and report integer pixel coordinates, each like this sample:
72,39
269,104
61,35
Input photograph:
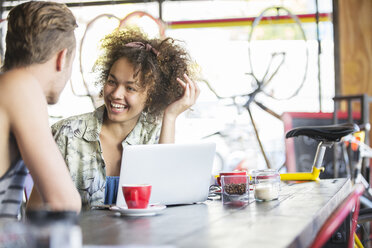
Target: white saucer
149,211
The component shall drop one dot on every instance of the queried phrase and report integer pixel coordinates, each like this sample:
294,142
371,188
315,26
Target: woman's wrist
169,118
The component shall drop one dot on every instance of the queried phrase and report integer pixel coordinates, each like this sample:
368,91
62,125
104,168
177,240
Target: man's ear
61,59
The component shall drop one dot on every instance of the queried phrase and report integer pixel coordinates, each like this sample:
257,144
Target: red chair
349,205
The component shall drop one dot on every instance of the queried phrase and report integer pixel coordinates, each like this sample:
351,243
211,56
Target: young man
40,47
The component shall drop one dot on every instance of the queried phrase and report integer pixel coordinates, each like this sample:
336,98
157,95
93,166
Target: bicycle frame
356,143
316,169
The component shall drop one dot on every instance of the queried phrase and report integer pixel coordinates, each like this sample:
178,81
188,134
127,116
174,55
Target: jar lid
273,176
267,174
232,173
46,216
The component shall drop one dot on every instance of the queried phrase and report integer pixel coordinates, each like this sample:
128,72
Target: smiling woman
124,98
146,86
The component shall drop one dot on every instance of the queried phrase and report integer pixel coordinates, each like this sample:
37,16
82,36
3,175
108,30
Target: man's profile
40,47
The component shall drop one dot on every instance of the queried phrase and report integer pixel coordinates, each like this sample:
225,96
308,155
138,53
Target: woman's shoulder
148,123
74,119
146,132
74,123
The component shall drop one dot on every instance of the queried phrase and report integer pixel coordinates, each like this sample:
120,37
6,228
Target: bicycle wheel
278,53
146,21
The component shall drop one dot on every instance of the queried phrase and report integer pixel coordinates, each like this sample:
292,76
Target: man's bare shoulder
21,96
16,78
18,86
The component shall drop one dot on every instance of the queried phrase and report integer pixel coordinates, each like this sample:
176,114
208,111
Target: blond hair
36,31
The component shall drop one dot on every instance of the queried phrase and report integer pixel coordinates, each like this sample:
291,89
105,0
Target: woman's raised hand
189,97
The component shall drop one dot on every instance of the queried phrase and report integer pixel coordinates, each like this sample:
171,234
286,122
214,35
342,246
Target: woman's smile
118,107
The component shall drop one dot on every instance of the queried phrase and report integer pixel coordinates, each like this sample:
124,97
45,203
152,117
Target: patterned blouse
78,140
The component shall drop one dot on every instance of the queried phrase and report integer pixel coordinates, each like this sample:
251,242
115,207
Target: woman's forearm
168,130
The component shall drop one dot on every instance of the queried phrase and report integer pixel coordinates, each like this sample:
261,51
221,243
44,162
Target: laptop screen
178,173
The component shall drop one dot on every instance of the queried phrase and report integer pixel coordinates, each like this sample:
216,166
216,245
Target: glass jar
266,185
235,190
53,229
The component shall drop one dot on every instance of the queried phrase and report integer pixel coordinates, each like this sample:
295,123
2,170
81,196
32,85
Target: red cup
230,173
137,195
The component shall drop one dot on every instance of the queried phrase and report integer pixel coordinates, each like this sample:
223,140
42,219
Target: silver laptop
178,173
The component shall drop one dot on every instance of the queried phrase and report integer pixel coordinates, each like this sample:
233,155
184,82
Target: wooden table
291,221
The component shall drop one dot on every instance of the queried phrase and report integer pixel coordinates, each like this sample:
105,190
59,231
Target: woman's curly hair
156,73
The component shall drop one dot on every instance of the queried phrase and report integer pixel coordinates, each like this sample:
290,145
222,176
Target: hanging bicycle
278,58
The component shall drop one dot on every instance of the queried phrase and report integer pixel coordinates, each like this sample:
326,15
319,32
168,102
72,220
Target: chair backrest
348,205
